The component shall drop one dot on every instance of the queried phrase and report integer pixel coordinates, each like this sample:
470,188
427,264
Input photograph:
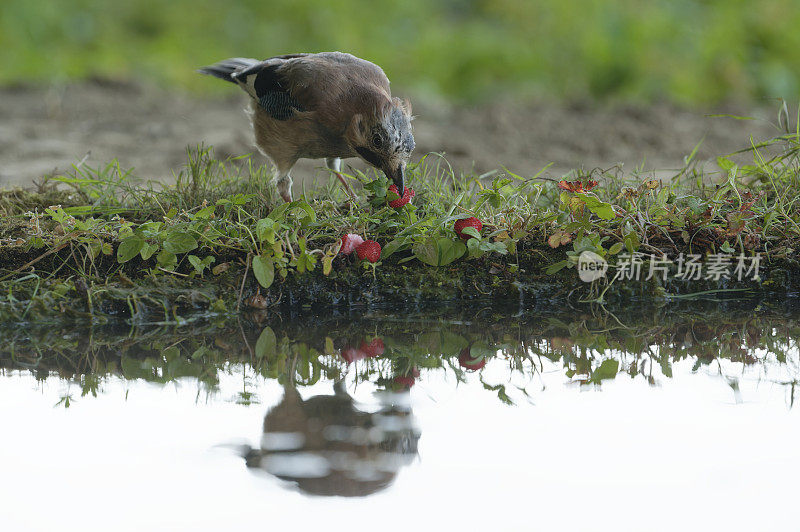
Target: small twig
173,272
475,284
241,288
244,337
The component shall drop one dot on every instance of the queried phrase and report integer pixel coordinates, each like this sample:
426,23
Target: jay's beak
396,175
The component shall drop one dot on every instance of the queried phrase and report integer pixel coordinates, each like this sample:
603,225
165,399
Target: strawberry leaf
264,270
129,248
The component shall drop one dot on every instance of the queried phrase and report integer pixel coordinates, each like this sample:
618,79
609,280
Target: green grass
689,51
221,224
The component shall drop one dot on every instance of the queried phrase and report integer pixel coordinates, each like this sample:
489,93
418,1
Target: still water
571,420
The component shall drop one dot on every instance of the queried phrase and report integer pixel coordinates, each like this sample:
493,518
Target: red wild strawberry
374,348
369,250
467,222
351,354
408,193
404,381
466,361
350,242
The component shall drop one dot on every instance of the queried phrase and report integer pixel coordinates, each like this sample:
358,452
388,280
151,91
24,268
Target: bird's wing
264,82
330,84
332,77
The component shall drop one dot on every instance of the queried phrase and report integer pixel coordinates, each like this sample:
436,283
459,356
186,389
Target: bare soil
45,130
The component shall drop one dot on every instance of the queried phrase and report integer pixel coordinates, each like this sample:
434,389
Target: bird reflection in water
327,446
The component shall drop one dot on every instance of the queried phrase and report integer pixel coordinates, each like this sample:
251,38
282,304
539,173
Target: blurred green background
685,51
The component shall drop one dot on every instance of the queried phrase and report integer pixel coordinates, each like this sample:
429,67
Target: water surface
568,420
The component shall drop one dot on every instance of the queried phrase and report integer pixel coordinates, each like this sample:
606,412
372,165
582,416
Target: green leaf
310,213
441,343
201,351
150,229
265,230
167,260
607,370
148,250
267,344
666,367
264,270
474,248
427,252
450,250
327,264
205,213
616,248
277,214
94,248
379,187
307,214
584,243
306,262
392,247
439,252
497,247
178,242
631,241
471,231
129,248
452,344
200,264
557,267
600,208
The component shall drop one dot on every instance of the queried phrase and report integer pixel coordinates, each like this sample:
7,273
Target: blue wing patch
272,96
279,105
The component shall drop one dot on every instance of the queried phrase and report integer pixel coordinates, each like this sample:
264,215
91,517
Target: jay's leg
284,183
283,180
335,164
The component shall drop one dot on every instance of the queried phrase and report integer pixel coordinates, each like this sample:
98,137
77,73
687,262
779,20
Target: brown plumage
328,105
326,435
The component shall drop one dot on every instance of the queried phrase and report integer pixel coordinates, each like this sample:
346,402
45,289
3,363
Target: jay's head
384,139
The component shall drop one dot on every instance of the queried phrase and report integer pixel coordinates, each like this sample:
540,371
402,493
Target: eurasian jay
329,105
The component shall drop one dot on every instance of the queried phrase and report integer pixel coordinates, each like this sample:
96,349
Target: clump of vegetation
221,236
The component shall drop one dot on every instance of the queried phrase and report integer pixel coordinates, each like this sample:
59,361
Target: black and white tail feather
225,69
261,80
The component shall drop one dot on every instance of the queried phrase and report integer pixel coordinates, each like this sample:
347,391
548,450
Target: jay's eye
377,141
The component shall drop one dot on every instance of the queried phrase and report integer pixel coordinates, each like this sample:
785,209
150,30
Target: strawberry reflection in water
326,445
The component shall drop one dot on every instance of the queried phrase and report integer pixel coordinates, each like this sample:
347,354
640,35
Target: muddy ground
46,130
